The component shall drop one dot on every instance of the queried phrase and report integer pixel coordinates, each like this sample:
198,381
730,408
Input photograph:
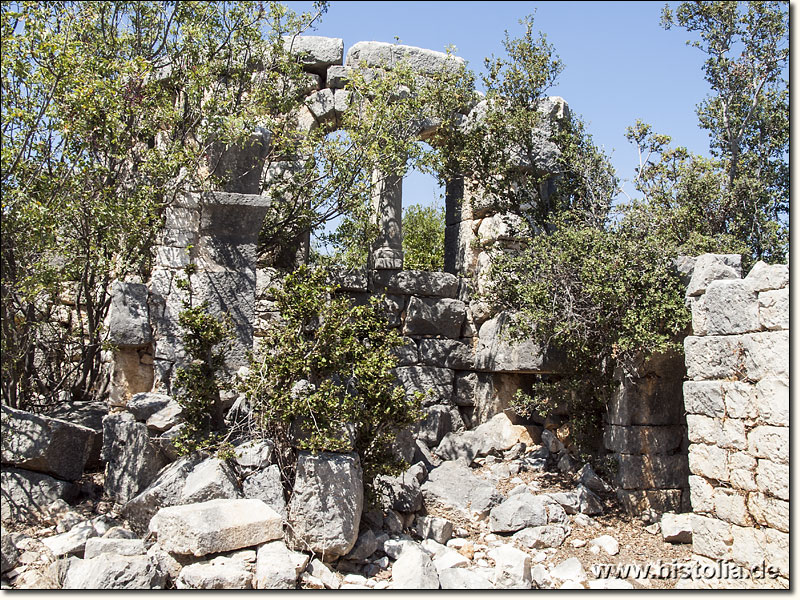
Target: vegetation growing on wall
423,238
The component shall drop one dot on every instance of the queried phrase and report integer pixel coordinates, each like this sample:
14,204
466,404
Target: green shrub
423,238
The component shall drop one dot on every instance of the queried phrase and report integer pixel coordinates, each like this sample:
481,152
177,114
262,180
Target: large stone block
701,494
773,478
452,354
742,471
434,382
773,309
763,277
439,420
704,398
326,504
266,485
729,306
44,444
114,572
453,484
216,526
731,506
132,460
643,439
653,471
709,461
416,283
772,398
385,55
128,315
711,537
712,267
769,442
316,53
496,353
26,495
432,317
769,511
210,480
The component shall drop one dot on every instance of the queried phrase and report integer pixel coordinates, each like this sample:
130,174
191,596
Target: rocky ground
514,515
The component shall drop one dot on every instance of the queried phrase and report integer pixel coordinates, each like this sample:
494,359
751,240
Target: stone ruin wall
737,405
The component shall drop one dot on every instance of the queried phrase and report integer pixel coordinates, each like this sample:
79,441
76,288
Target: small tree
423,238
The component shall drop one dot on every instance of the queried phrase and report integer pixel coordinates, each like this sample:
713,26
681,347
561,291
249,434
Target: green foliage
322,377
423,238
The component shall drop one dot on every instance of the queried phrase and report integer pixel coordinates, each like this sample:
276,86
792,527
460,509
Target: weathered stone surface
769,442
653,471
382,54
216,526
463,579
769,511
505,226
277,567
754,356
453,483
772,398
496,353
773,309
711,267
337,77
132,461
164,491
568,570
434,528
452,354
114,572
166,418
366,545
326,503
708,461
729,306
128,315
44,444
439,420
321,104
414,570
96,546
210,480
773,478
417,283
254,455
518,512
401,493
512,568
266,485
465,389
143,406
462,445
542,536
407,354
499,434
434,316
72,541
434,382
320,571
711,537
208,576
316,53
606,543
763,277
26,494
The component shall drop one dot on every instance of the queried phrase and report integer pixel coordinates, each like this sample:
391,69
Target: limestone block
185,219
465,388
715,357
709,461
704,430
512,568
729,306
174,258
763,277
114,572
769,511
453,484
382,54
773,478
434,382
702,495
277,567
316,53
704,398
210,576
142,406
337,77
767,355
342,100
321,104
407,354
52,446
216,526
442,317
417,283
711,537
128,315
756,547
770,442
349,280
326,503
166,418
544,536
452,354
772,397
653,471
742,471
210,480
414,570
518,512
434,528
773,309
505,227
26,494
711,267
644,439
462,579
124,547
730,506
266,485
439,420
495,353
741,400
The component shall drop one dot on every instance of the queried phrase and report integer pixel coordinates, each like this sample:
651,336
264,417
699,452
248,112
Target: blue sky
620,64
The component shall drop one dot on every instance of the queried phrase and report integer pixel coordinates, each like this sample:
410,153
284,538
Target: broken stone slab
166,418
606,543
712,267
587,477
589,503
676,528
216,526
518,512
365,546
497,354
435,383
434,317
95,546
114,572
266,485
401,493
315,53
434,528
208,576
164,491
417,283
763,277
439,420
277,567
452,354
512,567
210,480
543,536
132,460
143,406
44,444
568,570
27,494
414,570
128,315
326,504
72,541
452,483
8,553
319,570
385,55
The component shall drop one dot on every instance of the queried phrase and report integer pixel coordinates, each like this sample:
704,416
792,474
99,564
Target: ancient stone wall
737,405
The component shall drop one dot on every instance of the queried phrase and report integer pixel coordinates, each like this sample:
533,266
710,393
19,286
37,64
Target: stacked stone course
737,405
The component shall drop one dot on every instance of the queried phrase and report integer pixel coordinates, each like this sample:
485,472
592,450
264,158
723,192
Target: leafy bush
423,238
322,377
